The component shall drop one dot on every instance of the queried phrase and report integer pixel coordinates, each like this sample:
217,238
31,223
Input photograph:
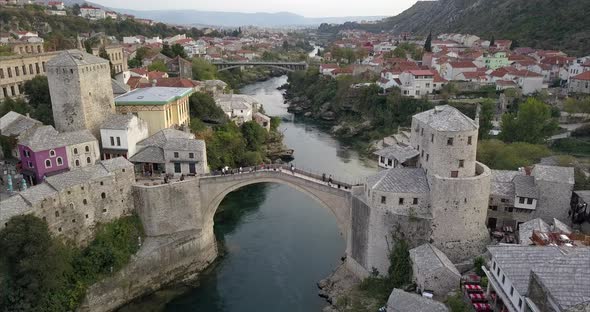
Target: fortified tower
459,186
81,91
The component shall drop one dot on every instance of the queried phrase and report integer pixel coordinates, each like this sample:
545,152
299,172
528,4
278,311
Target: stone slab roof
447,118
118,87
501,183
115,164
229,102
585,195
15,124
161,137
46,137
566,278
524,186
399,152
13,206
80,176
401,301
75,58
76,137
525,230
400,180
117,121
150,154
516,261
37,193
152,96
429,259
554,174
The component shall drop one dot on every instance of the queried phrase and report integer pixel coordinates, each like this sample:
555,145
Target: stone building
116,56
119,135
14,126
401,301
519,196
179,67
433,272
172,152
17,69
75,202
238,107
81,91
160,107
443,199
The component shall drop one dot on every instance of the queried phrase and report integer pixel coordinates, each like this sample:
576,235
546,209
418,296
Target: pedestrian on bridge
330,181
323,177
292,169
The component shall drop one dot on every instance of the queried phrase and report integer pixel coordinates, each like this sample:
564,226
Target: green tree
532,124
203,70
286,45
492,41
158,65
203,107
275,122
478,262
37,93
76,9
400,268
102,53
166,50
499,155
486,116
197,125
254,135
577,106
514,45
428,43
178,50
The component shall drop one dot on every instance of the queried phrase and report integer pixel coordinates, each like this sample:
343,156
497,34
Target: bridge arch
271,66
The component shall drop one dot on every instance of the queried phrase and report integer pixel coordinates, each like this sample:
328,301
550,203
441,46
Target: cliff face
546,24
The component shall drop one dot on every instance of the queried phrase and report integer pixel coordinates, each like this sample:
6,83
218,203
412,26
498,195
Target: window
427,85
432,138
16,71
177,167
469,140
401,200
415,201
60,161
191,155
57,214
87,149
47,163
422,154
520,302
51,153
454,174
422,131
383,199
493,265
112,141
529,201
88,160
427,157
450,141
498,271
503,279
461,163
493,208
175,154
30,164
511,290
75,151
9,72
118,141
504,200
521,200
1,73
84,201
103,195
77,163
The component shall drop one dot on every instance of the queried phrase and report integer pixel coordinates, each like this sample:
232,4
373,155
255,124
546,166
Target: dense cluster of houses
466,60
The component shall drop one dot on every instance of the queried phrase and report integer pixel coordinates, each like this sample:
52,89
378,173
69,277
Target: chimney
154,82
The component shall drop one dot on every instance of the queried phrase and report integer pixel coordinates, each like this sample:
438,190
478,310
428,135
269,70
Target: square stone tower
81,91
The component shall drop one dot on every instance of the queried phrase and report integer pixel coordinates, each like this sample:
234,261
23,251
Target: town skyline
307,8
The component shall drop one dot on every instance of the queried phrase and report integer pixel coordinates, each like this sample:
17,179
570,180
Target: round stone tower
81,91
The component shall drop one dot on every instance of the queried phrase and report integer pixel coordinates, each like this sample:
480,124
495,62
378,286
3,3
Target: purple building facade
35,165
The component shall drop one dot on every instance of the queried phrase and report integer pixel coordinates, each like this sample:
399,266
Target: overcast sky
308,8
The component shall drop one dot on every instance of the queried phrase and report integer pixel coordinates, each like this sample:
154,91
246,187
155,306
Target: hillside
546,24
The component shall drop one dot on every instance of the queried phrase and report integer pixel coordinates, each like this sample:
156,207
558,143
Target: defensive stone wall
459,209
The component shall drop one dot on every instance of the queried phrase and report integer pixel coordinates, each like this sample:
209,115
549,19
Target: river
279,242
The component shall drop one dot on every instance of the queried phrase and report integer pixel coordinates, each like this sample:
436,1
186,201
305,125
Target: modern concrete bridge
288,66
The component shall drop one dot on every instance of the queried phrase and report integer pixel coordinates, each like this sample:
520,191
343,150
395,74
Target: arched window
47,163
75,151
103,195
72,206
87,149
85,202
77,163
52,153
60,161
88,160
57,213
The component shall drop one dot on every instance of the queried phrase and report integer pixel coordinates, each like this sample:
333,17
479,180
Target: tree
577,106
514,45
76,9
532,124
428,43
499,155
286,45
400,268
166,50
102,53
492,41
158,65
178,50
254,135
37,93
203,107
486,117
203,70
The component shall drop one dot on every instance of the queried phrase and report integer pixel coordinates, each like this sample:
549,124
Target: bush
499,155
457,304
572,146
478,263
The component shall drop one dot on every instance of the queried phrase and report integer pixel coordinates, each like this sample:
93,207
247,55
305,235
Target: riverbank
341,291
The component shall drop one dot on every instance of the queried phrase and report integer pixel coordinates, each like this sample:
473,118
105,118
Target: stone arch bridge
288,66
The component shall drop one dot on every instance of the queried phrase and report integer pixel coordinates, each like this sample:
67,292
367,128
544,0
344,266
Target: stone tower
459,186
81,91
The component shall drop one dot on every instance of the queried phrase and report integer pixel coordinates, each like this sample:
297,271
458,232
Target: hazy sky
309,8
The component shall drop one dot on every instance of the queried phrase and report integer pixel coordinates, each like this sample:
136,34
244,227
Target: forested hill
546,24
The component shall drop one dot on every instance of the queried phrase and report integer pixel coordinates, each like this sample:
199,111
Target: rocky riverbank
341,291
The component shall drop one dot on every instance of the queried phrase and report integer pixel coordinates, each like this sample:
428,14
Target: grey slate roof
524,186
401,301
501,183
399,152
46,137
400,180
447,118
554,174
585,195
15,124
115,164
516,261
229,102
118,87
38,192
150,154
77,177
117,121
429,259
77,137
13,206
567,278
525,230
75,58
161,137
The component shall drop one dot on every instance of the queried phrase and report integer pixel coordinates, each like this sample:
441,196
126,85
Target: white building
92,13
453,69
238,107
153,40
119,135
383,47
131,40
417,82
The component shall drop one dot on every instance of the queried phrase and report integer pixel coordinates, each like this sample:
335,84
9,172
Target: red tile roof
506,83
463,64
420,72
177,82
582,76
156,75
